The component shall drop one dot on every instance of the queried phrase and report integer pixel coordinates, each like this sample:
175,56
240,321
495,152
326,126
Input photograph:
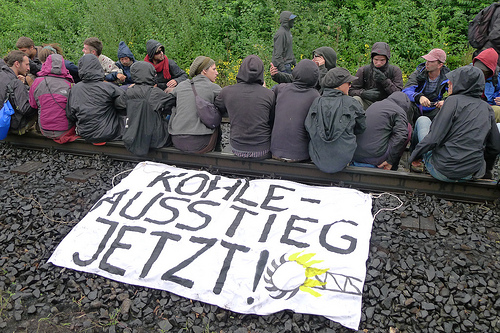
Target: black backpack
479,26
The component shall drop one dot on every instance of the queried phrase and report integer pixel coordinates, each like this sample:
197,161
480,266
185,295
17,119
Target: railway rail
365,179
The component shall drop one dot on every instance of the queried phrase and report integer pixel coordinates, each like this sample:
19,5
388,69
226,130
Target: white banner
257,246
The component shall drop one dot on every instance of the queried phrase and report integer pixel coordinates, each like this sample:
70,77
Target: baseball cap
292,16
435,54
336,77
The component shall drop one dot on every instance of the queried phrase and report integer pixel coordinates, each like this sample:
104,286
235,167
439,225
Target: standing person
125,60
97,107
13,72
49,95
289,138
333,122
387,133
487,61
26,45
379,79
462,142
168,74
250,107
283,57
187,131
93,46
426,86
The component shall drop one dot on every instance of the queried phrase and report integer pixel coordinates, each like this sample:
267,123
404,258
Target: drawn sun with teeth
294,274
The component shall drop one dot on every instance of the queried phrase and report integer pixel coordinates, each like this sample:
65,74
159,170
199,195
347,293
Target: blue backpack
6,112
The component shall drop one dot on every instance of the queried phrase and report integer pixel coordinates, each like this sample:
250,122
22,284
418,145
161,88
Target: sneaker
417,166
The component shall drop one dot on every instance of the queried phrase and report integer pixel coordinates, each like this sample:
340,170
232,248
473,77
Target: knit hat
336,77
199,64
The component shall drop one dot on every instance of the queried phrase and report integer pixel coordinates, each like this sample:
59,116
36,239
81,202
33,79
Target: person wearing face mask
379,79
283,57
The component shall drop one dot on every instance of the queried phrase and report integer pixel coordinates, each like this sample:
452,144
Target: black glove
378,76
371,95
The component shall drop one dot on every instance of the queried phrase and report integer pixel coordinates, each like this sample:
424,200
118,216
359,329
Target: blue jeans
365,165
438,175
422,127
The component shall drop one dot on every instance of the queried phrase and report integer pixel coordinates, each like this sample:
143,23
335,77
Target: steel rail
366,179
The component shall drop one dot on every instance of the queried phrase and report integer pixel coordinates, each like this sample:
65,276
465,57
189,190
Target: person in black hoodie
250,106
97,107
462,142
169,74
387,133
324,57
283,57
379,79
289,138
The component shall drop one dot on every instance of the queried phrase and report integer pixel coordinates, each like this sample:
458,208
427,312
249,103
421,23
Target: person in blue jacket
427,85
125,60
486,61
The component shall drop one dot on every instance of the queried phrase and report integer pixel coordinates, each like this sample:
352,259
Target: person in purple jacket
49,94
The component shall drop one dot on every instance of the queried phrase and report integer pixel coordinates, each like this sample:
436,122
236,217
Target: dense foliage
228,30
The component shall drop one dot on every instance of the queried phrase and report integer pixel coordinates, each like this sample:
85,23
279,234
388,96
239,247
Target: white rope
376,196
113,179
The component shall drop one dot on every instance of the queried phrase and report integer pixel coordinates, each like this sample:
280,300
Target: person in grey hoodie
387,133
97,107
283,57
462,141
379,79
250,106
289,138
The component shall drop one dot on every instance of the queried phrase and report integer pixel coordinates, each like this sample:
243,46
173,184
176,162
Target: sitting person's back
49,94
94,105
289,138
387,133
187,131
462,141
333,122
147,126
250,107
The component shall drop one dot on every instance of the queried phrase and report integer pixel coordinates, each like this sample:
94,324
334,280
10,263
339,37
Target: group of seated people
319,112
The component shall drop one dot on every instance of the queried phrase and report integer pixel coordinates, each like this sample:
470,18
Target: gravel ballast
433,264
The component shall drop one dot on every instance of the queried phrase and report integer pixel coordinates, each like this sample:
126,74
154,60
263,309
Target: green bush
229,30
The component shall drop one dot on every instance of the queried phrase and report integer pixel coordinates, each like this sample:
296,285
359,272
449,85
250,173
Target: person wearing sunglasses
168,73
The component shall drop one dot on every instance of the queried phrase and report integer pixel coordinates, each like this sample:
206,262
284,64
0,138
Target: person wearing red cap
426,86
